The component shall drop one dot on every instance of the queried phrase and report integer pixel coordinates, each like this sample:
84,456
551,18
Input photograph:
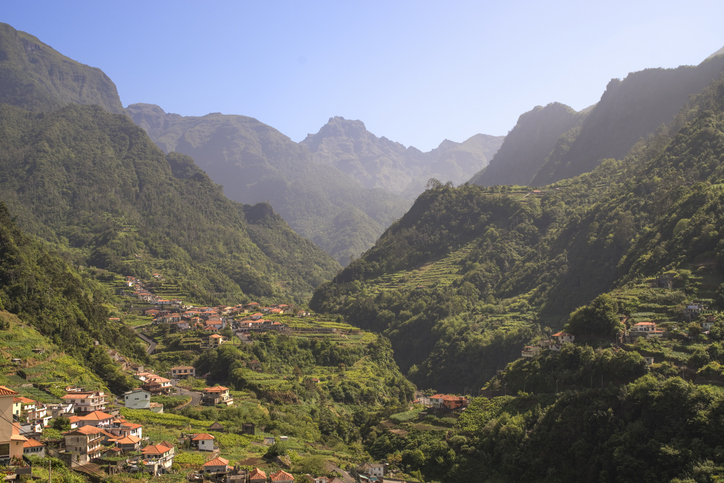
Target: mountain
255,162
381,163
629,110
468,275
94,185
527,146
36,77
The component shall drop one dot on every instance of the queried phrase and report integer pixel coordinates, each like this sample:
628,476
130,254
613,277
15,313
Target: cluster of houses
93,433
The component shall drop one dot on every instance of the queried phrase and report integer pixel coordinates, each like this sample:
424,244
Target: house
281,476
84,444
709,322
217,427
87,401
248,428
217,465
182,372
203,441
122,428
99,419
530,351
212,342
564,337
158,458
376,470
440,401
646,329
129,443
11,442
137,399
33,447
269,440
257,476
217,395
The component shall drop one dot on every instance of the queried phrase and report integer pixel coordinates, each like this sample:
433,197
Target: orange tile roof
218,461
257,474
4,391
31,443
281,475
129,440
216,389
156,449
202,436
96,416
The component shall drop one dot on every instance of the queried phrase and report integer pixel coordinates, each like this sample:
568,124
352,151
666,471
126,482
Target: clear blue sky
416,72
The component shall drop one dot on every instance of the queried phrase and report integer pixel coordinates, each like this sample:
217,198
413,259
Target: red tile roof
4,391
218,461
202,436
257,474
281,475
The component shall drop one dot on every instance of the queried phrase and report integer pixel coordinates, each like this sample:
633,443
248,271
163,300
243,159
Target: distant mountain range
552,143
339,188
381,163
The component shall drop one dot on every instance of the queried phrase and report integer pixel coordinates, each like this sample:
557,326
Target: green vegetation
510,262
95,187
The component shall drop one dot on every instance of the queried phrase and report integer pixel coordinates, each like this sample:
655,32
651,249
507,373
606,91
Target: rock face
528,145
554,142
381,163
36,77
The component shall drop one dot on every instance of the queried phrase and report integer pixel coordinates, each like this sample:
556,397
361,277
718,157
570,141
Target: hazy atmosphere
414,72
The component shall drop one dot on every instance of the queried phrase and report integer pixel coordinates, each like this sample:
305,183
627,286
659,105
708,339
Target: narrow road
151,343
195,395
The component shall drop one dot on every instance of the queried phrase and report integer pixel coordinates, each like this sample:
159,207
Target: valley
199,298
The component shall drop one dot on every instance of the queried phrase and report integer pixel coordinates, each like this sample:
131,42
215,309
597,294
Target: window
4,449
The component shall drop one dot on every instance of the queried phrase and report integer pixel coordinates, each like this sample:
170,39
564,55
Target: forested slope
470,273
95,185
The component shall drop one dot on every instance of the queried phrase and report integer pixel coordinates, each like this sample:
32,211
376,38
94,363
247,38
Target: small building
269,440
248,428
213,341
129,443
84,443
158,458
217,465
217,395
257,476
203,442
99,419
137,399
564,337
530,351
33,447
182,372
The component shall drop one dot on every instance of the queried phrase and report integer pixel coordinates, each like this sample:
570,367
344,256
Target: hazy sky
416,72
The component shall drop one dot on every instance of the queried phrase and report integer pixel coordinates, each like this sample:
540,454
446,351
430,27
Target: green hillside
94,185
470,273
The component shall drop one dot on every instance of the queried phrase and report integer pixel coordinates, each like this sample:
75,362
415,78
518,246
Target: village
95,439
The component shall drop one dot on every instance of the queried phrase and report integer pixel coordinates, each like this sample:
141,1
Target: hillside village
95,434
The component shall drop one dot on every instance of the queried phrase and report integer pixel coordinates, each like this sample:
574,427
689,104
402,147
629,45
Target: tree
600,317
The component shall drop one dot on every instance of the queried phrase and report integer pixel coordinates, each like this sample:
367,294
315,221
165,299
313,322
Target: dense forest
95,186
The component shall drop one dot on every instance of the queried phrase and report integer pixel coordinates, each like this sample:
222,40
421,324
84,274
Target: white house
137,399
